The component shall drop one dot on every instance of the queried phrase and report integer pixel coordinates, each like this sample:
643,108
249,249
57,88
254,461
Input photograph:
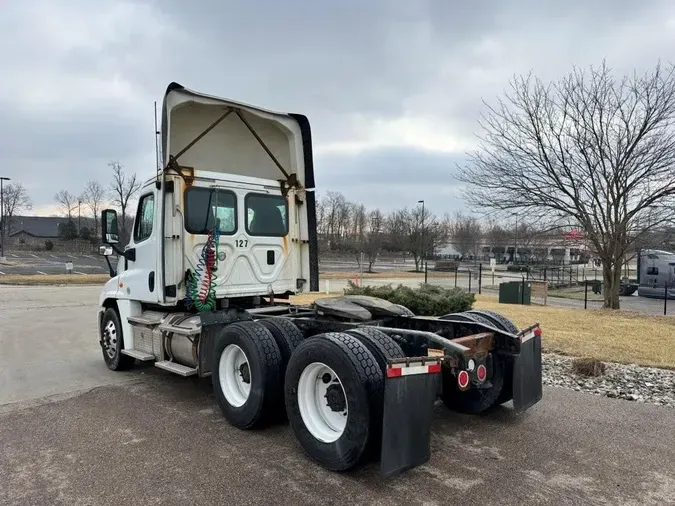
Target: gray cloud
393,178
393,84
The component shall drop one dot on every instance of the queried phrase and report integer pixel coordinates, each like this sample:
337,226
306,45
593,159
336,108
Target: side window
144,218
652,271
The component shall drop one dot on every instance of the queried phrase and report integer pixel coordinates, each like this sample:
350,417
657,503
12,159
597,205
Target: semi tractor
224,236
656,274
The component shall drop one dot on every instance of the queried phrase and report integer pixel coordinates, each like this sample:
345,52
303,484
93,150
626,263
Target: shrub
428,300
49,245
588,367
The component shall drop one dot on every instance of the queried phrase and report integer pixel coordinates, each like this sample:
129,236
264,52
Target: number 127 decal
241,243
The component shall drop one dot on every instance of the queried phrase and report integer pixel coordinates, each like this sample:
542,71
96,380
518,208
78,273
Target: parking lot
73,432
52,263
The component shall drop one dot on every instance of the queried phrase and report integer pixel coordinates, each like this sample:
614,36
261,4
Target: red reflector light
537,332
393,372
435,368
463,379
481,373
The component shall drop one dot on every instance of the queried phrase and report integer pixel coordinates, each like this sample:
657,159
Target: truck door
140,277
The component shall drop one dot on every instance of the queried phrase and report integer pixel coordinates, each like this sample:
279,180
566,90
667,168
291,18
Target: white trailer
224,234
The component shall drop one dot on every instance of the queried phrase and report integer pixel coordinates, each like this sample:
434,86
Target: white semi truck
224,234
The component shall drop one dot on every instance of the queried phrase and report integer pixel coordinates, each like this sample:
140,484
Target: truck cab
238,182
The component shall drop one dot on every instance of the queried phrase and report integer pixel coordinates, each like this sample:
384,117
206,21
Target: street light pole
2,217
79,218
424,251
515,241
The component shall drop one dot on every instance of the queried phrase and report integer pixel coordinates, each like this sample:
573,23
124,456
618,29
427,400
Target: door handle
151,281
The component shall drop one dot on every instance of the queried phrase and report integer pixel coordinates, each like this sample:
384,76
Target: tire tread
263,342
380,344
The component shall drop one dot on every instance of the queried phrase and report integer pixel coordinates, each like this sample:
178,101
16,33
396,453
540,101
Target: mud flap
409,394
527,381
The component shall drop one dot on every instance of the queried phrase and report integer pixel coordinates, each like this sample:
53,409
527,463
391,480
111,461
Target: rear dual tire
339,427
250,361
333,386
246,374
500,372
503,323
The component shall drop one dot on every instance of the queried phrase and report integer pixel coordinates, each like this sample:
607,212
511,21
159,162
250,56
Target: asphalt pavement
72,432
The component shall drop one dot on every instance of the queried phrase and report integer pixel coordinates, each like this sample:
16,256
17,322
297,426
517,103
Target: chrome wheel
110,339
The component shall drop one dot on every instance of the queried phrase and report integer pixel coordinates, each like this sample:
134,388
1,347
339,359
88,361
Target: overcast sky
392,88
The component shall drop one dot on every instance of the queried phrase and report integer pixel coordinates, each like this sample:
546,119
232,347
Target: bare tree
15,199
590,149
67,203
371,239
437,234
467,234
416,225
93,197
425,234
122,190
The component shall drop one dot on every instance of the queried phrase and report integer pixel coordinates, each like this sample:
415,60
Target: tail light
481,373
463,379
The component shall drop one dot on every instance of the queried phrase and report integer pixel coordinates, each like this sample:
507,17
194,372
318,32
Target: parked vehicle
656,274
224,235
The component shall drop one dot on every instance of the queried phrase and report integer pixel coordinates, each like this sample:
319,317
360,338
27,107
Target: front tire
332,382
246,374
112,342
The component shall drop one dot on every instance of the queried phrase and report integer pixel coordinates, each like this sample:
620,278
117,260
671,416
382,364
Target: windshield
204,207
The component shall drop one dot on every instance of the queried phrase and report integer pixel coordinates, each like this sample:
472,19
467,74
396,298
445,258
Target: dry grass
576,293
597,333
588,367
53,279
605,335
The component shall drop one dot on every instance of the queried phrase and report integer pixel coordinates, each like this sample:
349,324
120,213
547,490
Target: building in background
39,233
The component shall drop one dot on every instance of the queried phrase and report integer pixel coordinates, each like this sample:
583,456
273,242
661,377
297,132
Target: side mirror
105,251
109,233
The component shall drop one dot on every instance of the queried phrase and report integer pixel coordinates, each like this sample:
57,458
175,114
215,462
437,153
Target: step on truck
224,235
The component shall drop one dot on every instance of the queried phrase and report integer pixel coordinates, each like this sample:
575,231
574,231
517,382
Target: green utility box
511,292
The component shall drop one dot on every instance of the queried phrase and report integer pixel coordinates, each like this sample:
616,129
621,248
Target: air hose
200,284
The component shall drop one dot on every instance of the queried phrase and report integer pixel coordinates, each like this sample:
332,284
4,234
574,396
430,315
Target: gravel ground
630,382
